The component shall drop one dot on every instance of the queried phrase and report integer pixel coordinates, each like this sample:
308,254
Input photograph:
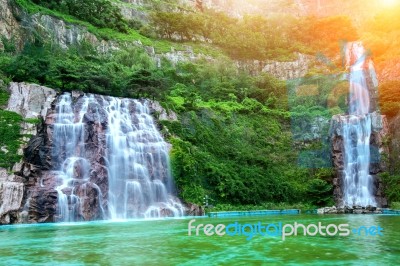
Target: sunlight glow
388,3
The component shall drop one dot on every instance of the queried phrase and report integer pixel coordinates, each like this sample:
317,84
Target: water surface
166,242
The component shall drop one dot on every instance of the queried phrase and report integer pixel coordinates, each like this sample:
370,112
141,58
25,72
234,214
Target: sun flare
388,3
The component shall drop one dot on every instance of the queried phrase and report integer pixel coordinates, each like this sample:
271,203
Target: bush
392,186
395,205
320,192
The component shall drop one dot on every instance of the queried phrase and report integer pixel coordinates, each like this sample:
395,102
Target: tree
320,192
145,83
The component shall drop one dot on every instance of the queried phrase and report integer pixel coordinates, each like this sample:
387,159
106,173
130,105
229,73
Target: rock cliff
282,70
30,101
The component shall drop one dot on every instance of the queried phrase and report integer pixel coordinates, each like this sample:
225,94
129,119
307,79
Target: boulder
192,209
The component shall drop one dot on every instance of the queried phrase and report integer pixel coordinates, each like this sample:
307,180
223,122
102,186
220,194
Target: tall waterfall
68,139
356,129
110,160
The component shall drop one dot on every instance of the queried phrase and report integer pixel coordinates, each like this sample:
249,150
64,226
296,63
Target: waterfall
356,130
138,163
109,155
67,156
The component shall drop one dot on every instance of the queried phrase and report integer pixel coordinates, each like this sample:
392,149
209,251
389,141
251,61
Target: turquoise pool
166,242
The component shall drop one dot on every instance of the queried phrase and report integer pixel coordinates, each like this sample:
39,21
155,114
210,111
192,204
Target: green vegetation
392,186
100,13
389,96
105,33
233,140
320,192
4,95
257,37
395,205
254,37
10,138
129,73
324,35
3,98
382,35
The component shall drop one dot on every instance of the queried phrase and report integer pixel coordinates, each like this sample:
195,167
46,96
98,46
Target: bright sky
388,3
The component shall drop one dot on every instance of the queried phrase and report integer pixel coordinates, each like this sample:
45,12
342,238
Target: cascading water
138,163
68,153
356,130
98,138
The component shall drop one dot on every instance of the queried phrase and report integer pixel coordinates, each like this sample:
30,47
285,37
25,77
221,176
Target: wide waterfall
110,160
138,163
356,129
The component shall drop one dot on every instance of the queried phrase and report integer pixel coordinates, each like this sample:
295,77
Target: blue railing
389,211
251,213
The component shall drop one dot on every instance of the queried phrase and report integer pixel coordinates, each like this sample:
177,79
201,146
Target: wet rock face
89,173
42,205
92,208
380,130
